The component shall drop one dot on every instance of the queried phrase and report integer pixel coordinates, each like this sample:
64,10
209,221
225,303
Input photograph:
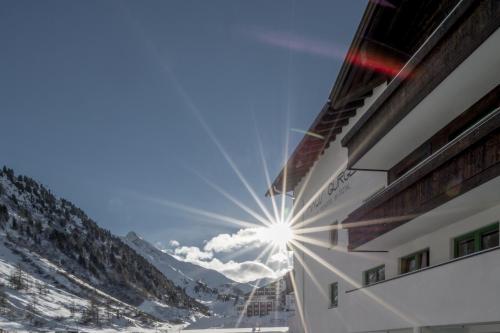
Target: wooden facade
447,134
470,24
386,39
460,157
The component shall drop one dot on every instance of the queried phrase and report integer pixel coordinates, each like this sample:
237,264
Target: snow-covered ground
42,241
209,287
48,300
239,330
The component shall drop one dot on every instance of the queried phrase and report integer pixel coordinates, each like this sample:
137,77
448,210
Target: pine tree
3,302
118,314
72,309
109,310
13,198
4,214
31,309
16,278
91,313
41,288
14,224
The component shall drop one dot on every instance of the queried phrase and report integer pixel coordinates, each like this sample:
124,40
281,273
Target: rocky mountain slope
88,259
194,279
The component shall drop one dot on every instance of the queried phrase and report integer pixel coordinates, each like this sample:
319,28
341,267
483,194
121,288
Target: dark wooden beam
473,21
329,119
466,163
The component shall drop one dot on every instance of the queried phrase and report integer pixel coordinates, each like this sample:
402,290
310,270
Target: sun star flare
279,234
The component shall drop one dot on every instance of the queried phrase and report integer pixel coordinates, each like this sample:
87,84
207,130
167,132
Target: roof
389,33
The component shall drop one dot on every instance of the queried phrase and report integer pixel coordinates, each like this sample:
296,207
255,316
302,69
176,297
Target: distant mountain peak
35,220
132,236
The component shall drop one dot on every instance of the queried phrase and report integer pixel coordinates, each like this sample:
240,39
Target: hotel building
397,193
264,300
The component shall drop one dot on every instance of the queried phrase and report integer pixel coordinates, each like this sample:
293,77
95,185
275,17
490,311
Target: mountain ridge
36,222
189,270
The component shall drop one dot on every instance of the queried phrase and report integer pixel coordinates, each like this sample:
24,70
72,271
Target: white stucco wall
432,297
333,203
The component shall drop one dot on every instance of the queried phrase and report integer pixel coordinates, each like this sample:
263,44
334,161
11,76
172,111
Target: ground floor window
374,275
414,261
477,240
334,295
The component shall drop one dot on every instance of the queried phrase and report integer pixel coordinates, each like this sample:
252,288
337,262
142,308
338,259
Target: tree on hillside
108,311
16,278
4,214
3,302
31,309
14,224
41,288
90,314
72,309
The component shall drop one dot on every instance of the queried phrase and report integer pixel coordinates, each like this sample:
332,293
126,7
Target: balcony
458,180
448,75
432,296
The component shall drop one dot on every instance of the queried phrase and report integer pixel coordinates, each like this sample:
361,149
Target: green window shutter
462,244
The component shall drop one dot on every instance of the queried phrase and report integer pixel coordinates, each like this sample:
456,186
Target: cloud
243,238
239,271
245,271
192,253
278,258
173,243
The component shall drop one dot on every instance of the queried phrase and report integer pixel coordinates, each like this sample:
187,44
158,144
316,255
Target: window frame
418,259
365,275
476,235
334,286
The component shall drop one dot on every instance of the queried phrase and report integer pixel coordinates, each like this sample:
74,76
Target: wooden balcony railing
469,160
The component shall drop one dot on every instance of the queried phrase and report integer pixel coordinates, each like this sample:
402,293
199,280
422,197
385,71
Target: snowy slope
180,272
208,286
57,245
51,298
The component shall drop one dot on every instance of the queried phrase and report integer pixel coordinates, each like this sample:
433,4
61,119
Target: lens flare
279,234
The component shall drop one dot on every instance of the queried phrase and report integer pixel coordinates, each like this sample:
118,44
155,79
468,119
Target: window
414,261
374,275
475,241
334,234
334,295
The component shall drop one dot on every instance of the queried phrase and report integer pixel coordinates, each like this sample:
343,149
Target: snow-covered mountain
52,243
183,274
37,294
209,287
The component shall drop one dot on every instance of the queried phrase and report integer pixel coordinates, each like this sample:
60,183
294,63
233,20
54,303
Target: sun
279,233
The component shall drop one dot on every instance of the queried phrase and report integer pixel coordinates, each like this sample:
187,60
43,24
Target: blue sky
108,103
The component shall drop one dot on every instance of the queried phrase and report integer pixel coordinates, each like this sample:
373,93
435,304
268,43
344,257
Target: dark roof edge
356,41
358,36
271,191
458,11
